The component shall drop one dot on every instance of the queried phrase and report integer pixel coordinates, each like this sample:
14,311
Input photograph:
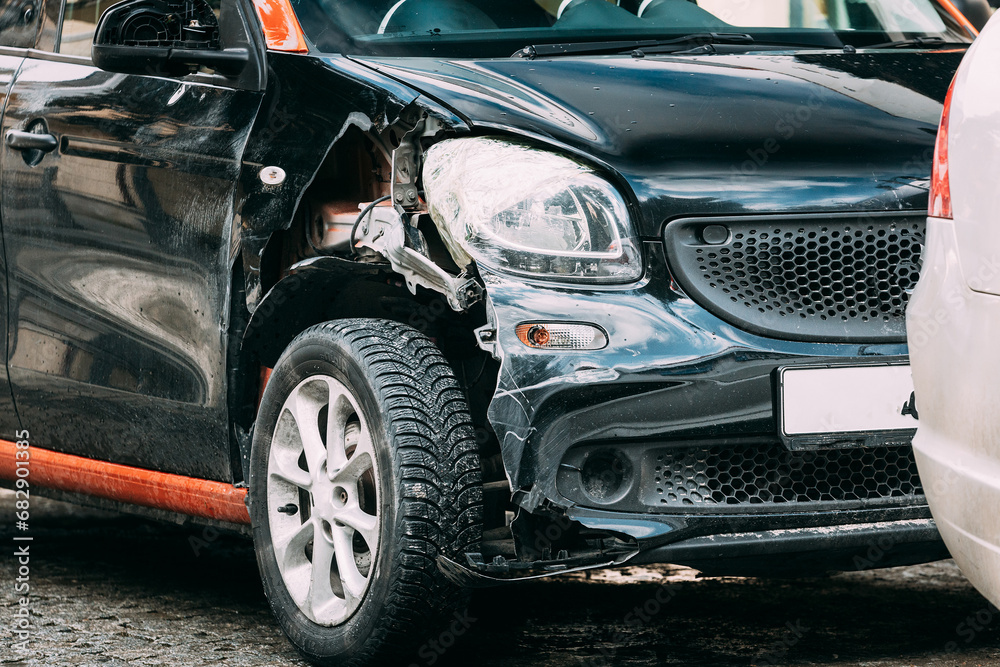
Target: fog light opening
606,476
561,336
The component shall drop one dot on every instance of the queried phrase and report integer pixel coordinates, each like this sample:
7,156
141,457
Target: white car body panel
974,152
953,323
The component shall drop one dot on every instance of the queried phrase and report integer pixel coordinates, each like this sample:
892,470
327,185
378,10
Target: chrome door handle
24,141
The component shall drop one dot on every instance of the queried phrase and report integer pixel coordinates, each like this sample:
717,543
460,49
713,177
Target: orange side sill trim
282,30
136,486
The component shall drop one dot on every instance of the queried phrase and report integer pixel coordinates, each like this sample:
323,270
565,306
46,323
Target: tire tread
439,480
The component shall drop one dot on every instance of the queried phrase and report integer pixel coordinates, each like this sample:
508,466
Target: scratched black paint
684,136
117,262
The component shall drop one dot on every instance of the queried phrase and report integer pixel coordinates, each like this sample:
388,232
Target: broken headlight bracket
387,231
404,177
392,231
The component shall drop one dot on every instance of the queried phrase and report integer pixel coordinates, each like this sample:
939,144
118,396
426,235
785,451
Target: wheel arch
318,290
312,293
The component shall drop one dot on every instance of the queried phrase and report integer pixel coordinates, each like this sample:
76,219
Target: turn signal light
561,336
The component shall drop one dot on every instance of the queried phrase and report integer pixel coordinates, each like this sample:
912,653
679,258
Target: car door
24,24
118,207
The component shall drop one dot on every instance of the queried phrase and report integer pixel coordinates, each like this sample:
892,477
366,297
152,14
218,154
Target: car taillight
940,184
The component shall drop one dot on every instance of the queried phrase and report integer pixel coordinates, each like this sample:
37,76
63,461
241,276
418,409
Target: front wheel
364,469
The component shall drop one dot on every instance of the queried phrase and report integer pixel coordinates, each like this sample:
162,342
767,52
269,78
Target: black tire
430,498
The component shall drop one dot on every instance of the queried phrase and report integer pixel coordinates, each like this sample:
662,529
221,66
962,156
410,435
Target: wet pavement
116,590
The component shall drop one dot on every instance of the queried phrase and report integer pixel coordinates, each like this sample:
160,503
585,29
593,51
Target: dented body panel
673,376
686,137
298,125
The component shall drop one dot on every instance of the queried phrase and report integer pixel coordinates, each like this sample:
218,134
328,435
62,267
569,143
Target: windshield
499,28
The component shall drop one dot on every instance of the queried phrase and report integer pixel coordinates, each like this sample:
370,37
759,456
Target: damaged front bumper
667,438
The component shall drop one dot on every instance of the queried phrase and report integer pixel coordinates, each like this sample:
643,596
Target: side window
78,25
22,23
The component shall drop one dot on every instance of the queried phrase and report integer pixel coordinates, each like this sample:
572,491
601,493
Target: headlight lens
527,211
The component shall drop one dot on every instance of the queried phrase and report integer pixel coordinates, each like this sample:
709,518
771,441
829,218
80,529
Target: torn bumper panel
670,432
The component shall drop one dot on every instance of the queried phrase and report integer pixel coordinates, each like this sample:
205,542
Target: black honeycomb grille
815,278
774,475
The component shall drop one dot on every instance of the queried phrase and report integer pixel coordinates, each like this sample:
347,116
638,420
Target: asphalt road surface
116,590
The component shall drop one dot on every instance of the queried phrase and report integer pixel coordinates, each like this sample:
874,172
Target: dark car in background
433,294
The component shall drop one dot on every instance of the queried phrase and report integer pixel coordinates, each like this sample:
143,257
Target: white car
953,322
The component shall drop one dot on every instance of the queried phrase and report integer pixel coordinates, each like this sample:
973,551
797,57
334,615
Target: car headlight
522,210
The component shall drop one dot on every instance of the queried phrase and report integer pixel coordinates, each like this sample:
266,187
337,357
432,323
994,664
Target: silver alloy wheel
322,500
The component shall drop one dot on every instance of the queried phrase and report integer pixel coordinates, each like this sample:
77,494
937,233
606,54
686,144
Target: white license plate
845,399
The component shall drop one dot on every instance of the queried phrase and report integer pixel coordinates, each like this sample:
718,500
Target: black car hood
717,134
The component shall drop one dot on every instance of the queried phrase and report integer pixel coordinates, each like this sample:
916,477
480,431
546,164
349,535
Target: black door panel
8,418
118,243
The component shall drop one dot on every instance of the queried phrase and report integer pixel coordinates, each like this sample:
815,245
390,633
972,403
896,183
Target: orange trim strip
265,376
136,486
959,16
282,30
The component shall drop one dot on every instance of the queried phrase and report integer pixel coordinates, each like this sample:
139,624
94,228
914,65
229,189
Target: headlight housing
522,210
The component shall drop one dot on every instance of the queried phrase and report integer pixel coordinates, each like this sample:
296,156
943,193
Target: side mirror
163,38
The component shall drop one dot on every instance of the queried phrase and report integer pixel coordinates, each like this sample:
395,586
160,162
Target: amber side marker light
561,336
940,181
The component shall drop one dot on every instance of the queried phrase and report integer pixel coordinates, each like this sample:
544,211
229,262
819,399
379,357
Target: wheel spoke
321,595
288,470
354,582
341,409
290,553
366,524
361,461
305,407
286,450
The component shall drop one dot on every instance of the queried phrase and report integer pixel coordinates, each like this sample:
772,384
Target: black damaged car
426,295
